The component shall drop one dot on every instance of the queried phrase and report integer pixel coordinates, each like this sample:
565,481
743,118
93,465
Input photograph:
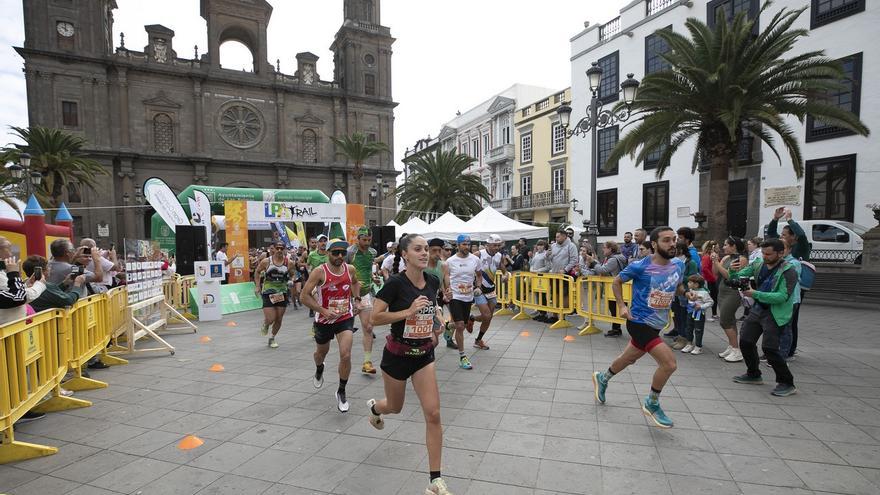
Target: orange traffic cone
216,367
231,324
190,442
205,339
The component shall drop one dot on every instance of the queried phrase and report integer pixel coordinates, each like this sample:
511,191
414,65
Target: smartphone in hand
38,273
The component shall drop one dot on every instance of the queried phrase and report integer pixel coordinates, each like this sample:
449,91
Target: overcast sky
449,55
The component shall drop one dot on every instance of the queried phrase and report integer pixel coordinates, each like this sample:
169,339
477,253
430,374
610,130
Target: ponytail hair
402,245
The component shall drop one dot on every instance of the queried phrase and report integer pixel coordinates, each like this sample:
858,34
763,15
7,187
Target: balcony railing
842,256
501,205
500,154
544,199
609,29
654,6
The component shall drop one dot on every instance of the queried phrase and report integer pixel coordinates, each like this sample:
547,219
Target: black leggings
713,291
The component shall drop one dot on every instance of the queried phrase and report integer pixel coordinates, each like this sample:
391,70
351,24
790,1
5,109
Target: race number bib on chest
659,299
420,325
338,307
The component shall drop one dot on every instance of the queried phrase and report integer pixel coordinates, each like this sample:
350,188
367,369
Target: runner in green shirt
319,256
362,256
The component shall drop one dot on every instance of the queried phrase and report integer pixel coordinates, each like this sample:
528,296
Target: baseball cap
388,246
494,239
337,244
436,242
463,238
364,231
322,237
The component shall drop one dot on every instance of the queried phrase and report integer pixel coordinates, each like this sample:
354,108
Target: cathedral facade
168,111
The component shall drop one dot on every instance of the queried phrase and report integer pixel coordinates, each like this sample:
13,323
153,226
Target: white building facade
841,171
486,133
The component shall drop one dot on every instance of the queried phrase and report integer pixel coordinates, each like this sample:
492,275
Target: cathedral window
310,146
163,133
370,84
368,11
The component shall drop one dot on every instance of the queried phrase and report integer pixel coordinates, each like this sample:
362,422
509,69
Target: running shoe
762,357
375,419
368,368
655,412
451,344
735,356
264,330
318,380
784,390
469,326
272,343
726,352
437,487
687,348
599,386
479,344
341,401
697,351
465,363
614,333
748,379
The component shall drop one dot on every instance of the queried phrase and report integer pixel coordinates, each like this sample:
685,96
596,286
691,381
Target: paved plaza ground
522,422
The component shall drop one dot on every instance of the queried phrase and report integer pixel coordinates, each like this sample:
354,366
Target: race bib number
659,299
276,298
338,308
419,326
465,289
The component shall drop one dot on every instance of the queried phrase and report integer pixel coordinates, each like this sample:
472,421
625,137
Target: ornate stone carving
160,51
240,124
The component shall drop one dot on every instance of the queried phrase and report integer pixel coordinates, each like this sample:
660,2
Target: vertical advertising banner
237,237
354,219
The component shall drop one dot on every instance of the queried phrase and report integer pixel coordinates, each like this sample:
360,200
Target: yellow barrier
593,296
186,283
33,361
505,286
549,292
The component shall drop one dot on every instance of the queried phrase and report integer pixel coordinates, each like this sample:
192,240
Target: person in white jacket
699,302
15,293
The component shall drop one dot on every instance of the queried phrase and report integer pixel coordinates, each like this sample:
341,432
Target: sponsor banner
163,200
208,277
234,298
200,207
269,211
354,221
237,237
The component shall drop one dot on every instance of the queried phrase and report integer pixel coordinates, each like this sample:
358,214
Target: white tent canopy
490,221
447,227
414,225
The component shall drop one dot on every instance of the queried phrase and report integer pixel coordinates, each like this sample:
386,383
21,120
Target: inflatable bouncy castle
31,234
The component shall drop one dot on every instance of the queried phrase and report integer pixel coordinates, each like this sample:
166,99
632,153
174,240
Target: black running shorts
460,310
643,337
403,367
325,333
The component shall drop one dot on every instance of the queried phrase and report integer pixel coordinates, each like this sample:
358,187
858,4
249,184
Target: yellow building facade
542,173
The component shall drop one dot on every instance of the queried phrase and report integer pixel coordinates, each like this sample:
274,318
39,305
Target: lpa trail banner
237,237
270,211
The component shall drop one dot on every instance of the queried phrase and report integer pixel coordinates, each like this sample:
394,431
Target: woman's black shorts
402,367
269,304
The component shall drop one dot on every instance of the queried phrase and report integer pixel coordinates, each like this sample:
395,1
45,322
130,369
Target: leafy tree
439,182
723,82
358,150
58,156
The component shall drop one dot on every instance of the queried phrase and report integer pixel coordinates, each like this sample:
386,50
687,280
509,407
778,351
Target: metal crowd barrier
549,292
595,298
505,287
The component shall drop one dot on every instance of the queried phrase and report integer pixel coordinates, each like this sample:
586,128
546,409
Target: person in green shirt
318,257
362,257
793,234
774,290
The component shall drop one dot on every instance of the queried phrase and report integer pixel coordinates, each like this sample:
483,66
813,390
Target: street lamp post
22,170
379,197
597,118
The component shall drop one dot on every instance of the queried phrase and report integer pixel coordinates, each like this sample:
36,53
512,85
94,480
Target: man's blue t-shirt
654,288
695,255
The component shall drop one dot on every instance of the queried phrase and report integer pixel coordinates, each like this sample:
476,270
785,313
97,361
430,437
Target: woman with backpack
614,263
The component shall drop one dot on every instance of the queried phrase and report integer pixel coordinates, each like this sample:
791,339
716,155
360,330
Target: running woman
491,260
657,279
407,303
464,275
438,268
362,257
334,282
273,275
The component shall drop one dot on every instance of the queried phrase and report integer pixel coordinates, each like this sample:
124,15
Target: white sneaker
697,351
437,487
726,352
375,419
735,356
688,348
341,402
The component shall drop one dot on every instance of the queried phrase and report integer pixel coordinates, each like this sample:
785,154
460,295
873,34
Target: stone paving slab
522,422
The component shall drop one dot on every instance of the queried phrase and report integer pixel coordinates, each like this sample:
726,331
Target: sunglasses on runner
338,252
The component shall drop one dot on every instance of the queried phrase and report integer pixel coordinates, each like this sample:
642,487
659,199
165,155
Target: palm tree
357,149
726,81
438,182
57,155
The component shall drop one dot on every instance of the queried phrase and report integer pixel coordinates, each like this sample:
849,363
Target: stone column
281,152
124,132
199,117
126,173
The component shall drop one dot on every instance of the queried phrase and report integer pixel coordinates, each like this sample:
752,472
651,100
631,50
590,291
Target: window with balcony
826,11
655,47
69,114
526,147
607,140
830,188
558,179
543,104
526,111
608,86
730,8
506,185
607,211
847,97
655,205
525,185
502,131
558,139
559,97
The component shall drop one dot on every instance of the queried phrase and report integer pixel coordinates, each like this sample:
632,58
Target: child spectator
699,302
